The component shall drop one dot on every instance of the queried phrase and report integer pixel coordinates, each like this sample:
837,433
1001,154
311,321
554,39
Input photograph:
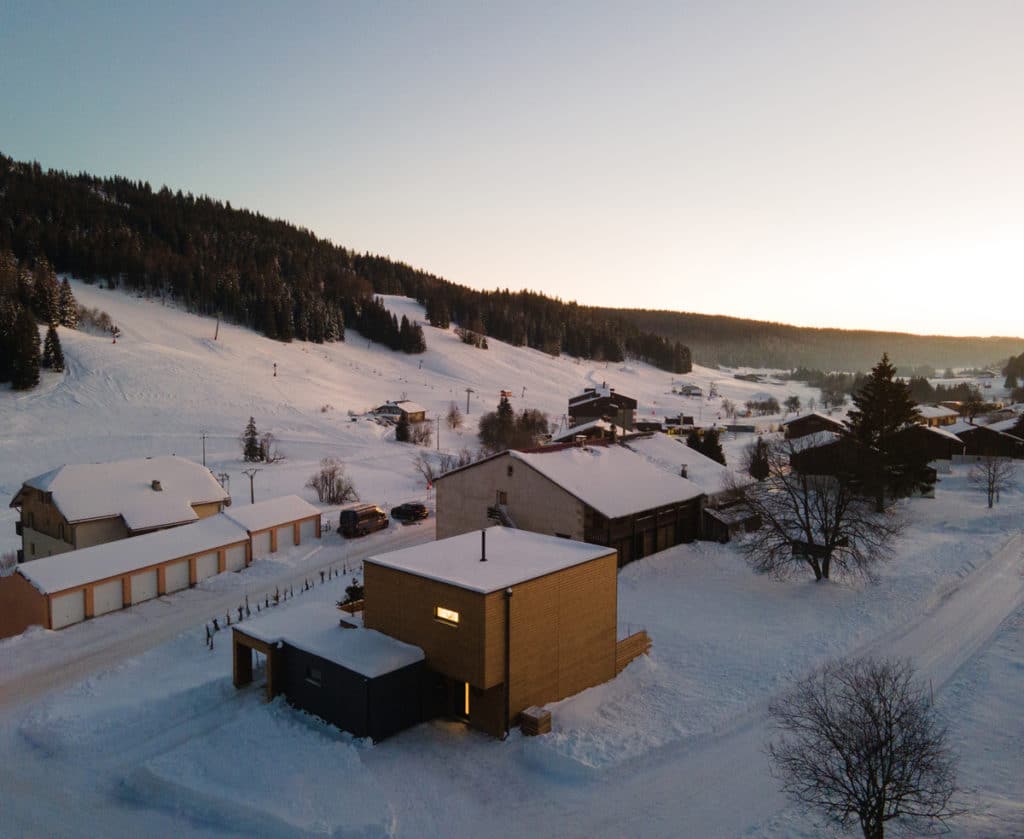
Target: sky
822,163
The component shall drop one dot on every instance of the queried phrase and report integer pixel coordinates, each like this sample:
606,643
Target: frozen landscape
128,725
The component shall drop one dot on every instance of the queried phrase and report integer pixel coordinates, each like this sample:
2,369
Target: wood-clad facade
537,641
467,498
603,403
811,424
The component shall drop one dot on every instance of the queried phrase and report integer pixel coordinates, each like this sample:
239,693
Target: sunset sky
851,164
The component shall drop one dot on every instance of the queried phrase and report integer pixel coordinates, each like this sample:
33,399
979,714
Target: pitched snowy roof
813,441
125,487
513,557
942,432
569,433
671,453
817,414
1004,425
411,407
936,411
274,512
75,568
314,628
612,479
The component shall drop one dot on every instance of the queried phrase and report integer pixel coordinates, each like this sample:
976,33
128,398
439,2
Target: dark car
413,511
361,520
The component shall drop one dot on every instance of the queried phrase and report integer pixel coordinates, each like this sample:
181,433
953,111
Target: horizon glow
822,165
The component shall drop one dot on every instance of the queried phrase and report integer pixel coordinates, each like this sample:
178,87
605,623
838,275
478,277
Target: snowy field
128,725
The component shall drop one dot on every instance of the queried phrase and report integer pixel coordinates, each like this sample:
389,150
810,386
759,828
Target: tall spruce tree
53,354
25,362
67,306
402,431
251,450
882,407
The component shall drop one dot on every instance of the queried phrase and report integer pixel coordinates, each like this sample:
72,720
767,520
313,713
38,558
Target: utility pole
469,390
251,473
439,433
203,433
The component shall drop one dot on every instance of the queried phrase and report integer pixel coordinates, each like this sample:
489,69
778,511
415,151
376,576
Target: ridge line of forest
286,282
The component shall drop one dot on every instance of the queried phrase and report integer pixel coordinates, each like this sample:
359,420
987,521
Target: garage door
68,609
235,558
143,586
285,538
107,597
206,566
307,530
176,576
260,545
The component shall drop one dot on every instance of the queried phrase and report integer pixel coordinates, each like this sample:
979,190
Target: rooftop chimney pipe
156,486
483,546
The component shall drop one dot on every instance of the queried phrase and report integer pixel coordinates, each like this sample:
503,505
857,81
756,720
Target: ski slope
128,725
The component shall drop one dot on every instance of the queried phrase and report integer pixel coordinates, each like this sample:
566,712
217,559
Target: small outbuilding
357,679
412,411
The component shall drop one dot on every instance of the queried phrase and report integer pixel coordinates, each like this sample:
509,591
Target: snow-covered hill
134,728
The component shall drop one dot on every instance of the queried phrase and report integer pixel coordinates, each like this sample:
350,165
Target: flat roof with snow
315,629
60,572
513,557
264,515
612,479
124,488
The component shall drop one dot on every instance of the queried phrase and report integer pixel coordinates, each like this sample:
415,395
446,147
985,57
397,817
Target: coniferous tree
759,467
67,306
53,354
882,407
693,439
251,450
402,431
8,319
711,446
25,361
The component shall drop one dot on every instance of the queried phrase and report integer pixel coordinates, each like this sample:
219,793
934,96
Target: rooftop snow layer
569,433
671,453
75,568
613,480
264,515
817,414
125,487
513,557
314,628
936,411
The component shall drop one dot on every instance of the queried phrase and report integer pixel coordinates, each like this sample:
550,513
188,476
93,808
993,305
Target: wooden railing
630,647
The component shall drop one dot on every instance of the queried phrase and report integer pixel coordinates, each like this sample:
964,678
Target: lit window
448,616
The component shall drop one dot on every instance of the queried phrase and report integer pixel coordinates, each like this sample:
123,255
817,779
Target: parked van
360,520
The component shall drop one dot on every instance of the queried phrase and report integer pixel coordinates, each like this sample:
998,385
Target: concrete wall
534,502
99,532
37,544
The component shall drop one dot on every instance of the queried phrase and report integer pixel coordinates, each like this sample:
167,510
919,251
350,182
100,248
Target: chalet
845,457
936,416
358,679
70,587
604,494
938,444
602,403
412,411
989,441
721,516
690,390
507,619
77,506
812,423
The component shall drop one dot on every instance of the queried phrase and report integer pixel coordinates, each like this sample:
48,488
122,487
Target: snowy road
722,787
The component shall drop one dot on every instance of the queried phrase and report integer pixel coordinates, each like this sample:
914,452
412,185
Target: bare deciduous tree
269,450
331,484
421,433
812,521
993,475
433,466
861,743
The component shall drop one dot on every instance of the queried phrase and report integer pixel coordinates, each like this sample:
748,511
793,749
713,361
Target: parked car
412,511
360,520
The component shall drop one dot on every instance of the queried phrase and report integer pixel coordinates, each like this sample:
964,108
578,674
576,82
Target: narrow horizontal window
448,616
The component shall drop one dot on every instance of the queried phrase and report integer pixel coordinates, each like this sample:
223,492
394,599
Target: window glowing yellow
446,615
467,699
